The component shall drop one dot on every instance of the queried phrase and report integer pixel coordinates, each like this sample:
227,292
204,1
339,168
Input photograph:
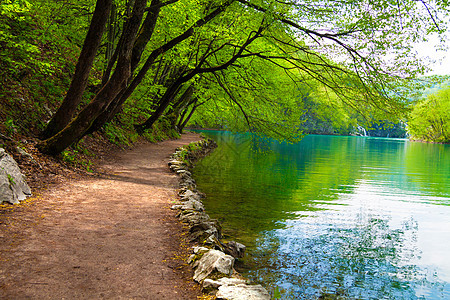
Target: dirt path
112,237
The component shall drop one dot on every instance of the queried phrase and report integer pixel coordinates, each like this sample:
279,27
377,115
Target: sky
442,57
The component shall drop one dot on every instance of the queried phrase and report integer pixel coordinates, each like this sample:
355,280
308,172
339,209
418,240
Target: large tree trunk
76,129
92,41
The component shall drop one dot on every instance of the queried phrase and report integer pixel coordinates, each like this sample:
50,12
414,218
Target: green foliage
11,179
277,293
39,42
430,118
69,156
75,158
161,130
118,135
10,127
387,129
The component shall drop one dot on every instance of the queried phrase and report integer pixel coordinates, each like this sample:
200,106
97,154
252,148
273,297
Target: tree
78,126
430,119
88,53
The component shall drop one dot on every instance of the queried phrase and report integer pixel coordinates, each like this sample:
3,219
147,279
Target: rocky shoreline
212,259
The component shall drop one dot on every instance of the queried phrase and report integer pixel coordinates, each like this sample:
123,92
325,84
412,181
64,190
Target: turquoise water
334,217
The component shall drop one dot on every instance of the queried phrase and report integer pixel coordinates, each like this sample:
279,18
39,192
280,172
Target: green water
335,217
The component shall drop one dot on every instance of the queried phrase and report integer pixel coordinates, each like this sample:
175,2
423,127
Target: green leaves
430,119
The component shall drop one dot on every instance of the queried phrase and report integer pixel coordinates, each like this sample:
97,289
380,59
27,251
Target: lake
334,217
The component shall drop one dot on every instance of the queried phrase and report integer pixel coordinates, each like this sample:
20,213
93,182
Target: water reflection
335,217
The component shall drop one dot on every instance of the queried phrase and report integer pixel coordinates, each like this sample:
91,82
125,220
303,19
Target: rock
237,250
213,261
188,194
176,206
190,205
198,253
13,186
182,189
214,242
186,177
242,292
188,181
215,284
188,185
184,172
194,205
200,250
203,230
192,217
174,162
200,234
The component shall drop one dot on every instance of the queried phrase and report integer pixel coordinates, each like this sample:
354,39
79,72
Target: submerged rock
13,186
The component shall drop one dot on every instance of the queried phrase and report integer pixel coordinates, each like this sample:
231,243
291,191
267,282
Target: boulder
213,262
213,242
242,292
13,186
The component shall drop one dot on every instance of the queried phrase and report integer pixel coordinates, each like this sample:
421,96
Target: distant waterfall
361,130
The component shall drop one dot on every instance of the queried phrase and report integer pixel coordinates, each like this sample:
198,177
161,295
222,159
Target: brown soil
110,236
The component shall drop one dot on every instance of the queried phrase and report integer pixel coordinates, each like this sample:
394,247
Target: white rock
13,186
213,261
207,283
199,249
188,194
189,205
242,292
187,173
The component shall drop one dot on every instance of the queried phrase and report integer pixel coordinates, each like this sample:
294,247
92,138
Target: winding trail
107,237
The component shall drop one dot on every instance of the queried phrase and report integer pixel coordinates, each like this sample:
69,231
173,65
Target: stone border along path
212,260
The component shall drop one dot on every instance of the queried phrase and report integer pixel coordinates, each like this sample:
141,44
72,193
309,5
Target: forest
283,69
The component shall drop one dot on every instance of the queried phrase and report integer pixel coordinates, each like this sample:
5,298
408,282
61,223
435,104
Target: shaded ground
111,236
